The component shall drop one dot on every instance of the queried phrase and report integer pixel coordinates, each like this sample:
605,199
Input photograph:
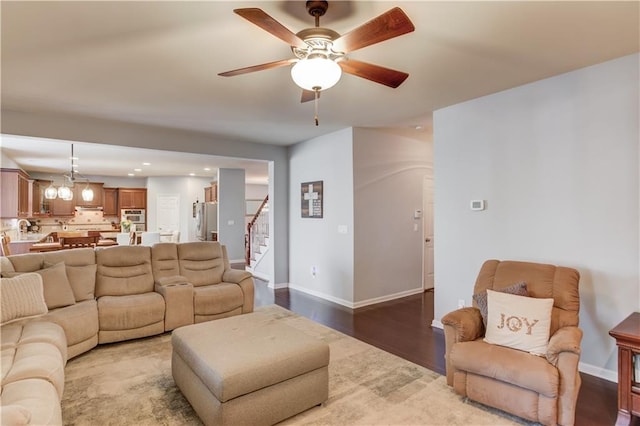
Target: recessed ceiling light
137,170
146,164
131,174
206,169
192,174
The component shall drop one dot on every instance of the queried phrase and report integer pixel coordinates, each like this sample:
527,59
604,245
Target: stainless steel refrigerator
206,220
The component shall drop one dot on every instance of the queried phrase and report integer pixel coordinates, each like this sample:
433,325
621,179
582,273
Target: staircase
257,236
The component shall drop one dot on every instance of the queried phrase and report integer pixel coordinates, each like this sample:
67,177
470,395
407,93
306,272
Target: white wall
388,175
188,189
316,242
254,191
557,162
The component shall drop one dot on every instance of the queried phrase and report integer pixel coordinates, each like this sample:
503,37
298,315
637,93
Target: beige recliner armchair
538,388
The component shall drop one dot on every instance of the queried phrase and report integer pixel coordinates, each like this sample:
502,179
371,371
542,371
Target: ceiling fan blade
390,24
308,96
260,67
382,75
260,18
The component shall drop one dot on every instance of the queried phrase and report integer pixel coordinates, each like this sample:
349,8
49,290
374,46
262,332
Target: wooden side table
627,335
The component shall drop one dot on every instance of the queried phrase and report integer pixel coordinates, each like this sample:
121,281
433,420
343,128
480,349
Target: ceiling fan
321,53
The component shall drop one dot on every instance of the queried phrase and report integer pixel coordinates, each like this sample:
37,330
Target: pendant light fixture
65,192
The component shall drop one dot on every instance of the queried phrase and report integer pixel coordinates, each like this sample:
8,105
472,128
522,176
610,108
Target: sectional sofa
58,305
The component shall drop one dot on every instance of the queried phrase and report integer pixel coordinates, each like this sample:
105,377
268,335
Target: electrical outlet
314,271
460,303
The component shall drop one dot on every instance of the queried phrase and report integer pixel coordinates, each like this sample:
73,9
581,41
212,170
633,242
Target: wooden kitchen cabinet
40,206
60,207
211,193
132,198
97,194
14,193
110,202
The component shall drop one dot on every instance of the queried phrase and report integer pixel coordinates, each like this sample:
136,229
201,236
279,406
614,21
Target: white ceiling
156,63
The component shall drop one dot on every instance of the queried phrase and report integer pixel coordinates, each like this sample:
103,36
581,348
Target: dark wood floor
403,327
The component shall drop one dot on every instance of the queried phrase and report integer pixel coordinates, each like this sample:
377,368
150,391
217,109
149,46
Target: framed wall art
311,199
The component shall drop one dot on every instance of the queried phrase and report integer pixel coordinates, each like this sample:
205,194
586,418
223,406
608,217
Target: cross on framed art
311,198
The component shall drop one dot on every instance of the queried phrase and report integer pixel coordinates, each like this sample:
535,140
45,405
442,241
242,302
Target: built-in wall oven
136,216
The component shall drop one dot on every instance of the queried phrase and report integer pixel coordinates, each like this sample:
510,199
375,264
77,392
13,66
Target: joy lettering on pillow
518,322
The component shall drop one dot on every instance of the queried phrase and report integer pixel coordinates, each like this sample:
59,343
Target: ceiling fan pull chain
316,91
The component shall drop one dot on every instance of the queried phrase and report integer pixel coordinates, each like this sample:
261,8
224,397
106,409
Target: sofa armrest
462,325
466,323
565,339
564,353
245,280
235,276
177,293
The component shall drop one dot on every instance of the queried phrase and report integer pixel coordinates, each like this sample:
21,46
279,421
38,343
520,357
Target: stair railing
257,230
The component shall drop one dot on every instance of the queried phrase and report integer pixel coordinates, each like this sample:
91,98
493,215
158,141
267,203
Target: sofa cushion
481,298
202,263
81,269
28,262
164,260
39,395
22,296
217,299
82,280
130,312
57,288
518,322
14,415
79,321
507,365
37,361
124,270
15,334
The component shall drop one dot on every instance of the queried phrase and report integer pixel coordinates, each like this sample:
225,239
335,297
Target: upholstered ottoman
249,369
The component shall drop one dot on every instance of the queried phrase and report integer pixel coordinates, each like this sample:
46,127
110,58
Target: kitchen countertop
30,238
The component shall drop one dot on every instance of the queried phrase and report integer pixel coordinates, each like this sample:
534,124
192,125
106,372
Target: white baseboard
322,296
387,298
437,324
263,277
277,286
359,304
237,260
600,372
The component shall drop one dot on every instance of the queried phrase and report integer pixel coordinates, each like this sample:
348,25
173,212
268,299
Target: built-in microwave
136,216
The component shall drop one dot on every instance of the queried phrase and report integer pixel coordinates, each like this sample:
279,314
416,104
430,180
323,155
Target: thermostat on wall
477,204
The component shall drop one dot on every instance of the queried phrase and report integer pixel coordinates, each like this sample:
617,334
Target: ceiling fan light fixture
316,73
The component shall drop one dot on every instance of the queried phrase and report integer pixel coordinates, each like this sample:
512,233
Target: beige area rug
130,383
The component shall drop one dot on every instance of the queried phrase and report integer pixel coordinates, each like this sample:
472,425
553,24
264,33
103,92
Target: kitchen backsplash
83,220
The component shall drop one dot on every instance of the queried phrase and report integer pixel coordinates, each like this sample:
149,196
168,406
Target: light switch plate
477,204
